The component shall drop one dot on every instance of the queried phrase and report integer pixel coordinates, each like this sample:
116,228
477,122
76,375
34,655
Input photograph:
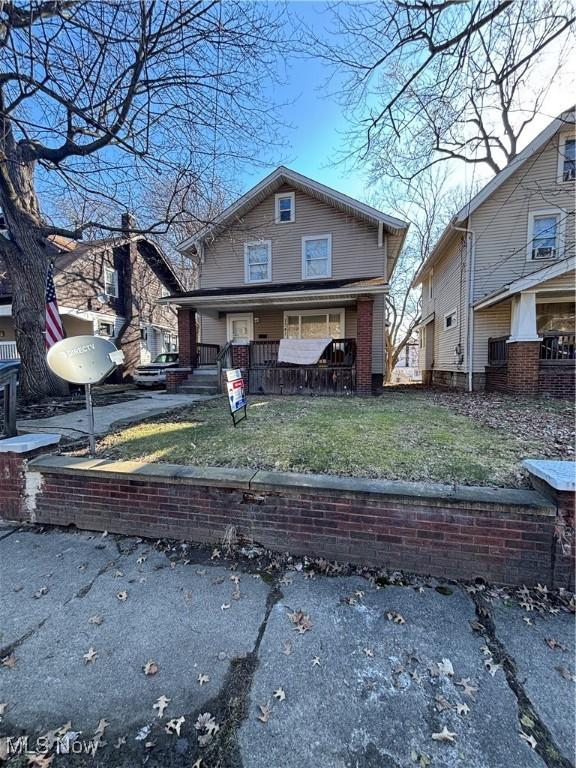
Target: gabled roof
566,118
273,182
150,252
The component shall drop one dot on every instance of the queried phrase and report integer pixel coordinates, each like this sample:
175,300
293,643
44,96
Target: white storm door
240,327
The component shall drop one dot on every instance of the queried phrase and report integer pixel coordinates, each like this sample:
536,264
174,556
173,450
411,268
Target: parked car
154,374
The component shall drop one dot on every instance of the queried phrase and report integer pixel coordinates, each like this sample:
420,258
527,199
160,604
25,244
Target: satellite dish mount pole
90,412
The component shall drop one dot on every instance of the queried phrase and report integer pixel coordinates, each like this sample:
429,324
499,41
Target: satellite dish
102,298
84,359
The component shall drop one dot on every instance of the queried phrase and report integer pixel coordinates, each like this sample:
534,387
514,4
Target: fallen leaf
462,709
101,727
224,606
526,721
216,555
554,644
198,763
368,652
279,694
120,742
39,761
396,617
476,626
444,735
442,703
161,704
315,661
90,655
265,713
151,667
174,725
492,667
302,622
203,679
118,574
40,593
141,560
528,621
529,739
95,620
63,730
9,661
445,668
421,758
287,650
122,596
566,674
3,708
469,690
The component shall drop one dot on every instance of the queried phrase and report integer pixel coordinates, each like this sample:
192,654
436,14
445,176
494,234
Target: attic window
285,208
568,159
111,282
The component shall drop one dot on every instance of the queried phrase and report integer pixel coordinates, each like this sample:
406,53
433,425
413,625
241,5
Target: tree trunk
27,257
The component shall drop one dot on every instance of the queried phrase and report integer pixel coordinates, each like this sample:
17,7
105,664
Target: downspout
471,265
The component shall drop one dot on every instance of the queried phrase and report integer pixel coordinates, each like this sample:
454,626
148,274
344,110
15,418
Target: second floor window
568,159
316,257
257,258
105,328
111,282
545,236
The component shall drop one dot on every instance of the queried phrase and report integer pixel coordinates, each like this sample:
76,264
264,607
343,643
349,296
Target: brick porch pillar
241,356
187,337
523,367
364,346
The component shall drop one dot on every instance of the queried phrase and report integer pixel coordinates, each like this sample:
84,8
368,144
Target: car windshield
167,358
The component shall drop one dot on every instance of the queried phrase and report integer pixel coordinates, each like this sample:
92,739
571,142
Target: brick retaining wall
502,535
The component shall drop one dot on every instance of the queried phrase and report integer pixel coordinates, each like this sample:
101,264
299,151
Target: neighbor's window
568,159
555,316
105,329
316,256
111,282
430,286
257,258
285,208
450,320
545,235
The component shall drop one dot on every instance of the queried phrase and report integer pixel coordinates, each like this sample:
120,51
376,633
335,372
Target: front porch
218,329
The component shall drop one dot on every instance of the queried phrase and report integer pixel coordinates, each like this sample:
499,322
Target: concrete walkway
377,676
106,417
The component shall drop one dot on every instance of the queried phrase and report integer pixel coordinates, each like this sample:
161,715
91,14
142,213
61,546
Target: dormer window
568,159
285,208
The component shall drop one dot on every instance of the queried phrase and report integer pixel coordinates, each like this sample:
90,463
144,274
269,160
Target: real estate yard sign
236,395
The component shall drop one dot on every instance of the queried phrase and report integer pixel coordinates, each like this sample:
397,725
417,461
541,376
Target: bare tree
432,81
97,97
428,202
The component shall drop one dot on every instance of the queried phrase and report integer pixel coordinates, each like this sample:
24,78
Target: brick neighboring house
498,296
291,259
108,287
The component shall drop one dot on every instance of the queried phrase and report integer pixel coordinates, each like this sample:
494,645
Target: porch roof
265,293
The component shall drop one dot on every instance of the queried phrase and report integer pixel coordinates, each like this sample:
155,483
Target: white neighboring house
498,288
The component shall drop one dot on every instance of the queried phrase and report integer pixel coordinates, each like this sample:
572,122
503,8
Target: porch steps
203,381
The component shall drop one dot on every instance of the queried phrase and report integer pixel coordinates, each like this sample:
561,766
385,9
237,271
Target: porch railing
207,354
8,350
558,348
497,350
340,353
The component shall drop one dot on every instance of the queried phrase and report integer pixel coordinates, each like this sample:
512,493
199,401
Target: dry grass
409,434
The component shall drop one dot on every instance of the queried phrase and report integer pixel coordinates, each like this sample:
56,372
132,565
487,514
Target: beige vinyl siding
489,323
562,283
449,290
212,329
355,250
501,222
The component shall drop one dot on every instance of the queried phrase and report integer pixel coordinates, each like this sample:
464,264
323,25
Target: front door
240,327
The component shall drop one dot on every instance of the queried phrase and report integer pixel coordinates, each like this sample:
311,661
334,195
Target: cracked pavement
361,691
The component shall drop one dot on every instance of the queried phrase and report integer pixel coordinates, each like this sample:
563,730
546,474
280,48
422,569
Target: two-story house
292,285
108,287
498,288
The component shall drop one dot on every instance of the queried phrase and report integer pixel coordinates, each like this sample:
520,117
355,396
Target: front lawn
406,434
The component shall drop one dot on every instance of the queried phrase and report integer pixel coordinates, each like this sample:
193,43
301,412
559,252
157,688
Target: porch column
523,347
187,337
364,346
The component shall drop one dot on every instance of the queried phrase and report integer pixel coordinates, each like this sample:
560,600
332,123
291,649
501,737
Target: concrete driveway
269,668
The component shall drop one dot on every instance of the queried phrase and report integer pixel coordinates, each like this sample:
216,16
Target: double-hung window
257,261
450,320
314,324
316,257
544,235
285,207
111,282
567,159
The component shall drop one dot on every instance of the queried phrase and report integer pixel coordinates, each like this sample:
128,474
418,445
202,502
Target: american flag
54,329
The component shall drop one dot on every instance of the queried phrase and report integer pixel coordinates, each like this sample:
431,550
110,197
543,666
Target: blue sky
318,122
